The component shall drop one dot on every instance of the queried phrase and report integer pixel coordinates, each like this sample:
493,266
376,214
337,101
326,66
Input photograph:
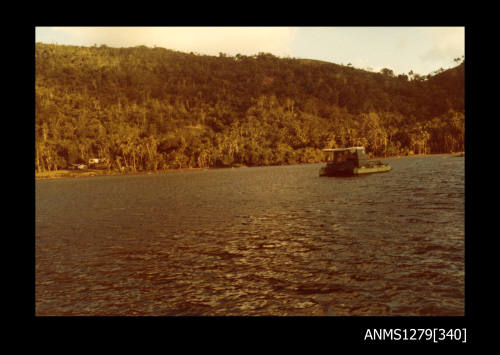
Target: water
254,241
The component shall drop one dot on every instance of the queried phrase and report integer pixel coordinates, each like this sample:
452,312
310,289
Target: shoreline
455,154
65,173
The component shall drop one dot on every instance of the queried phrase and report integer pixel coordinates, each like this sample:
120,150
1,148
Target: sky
422,50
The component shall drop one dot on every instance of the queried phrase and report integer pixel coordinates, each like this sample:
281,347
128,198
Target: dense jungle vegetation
152,108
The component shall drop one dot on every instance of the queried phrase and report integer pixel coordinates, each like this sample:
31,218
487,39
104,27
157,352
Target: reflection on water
254,241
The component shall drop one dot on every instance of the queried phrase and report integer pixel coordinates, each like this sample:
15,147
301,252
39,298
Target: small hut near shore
78,167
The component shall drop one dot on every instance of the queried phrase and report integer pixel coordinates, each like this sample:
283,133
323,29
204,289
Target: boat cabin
353,155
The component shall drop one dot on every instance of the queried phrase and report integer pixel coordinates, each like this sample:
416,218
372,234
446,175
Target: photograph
260,171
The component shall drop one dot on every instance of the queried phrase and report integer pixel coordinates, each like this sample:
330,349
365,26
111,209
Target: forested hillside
152,108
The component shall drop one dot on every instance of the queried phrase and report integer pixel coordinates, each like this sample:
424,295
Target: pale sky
421,49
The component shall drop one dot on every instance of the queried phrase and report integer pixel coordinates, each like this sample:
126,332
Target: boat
351,161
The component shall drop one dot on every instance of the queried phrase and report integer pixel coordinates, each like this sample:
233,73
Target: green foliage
151,108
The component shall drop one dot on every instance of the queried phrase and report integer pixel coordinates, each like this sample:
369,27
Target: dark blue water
254,241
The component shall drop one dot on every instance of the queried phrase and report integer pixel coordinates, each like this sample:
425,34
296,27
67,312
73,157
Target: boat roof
351,149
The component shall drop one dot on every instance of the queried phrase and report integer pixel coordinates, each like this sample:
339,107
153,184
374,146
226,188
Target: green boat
351,161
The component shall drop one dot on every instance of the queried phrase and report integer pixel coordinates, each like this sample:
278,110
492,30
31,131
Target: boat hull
332,171
373,170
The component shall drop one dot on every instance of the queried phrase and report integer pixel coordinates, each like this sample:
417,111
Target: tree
387,72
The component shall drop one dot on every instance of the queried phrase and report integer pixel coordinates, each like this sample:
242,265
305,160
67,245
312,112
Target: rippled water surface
254,241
